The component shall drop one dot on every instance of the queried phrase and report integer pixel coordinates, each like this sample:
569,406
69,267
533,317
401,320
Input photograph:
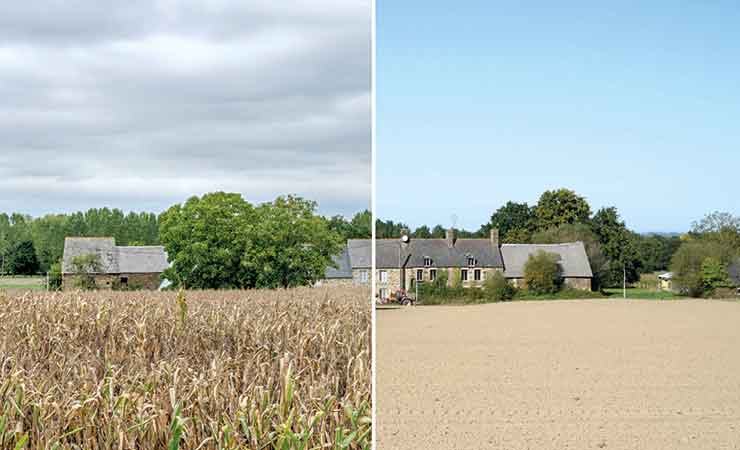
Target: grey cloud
142,104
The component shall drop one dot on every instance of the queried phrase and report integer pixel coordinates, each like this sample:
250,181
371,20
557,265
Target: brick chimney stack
495,241
450,237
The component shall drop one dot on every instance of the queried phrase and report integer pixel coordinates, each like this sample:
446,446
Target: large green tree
620,246
362,224
220,240
720,227
656,251
698,264
22,259
515,222
206,239
560,207
422,232
289,245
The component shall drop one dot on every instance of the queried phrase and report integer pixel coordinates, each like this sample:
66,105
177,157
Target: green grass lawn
647,294
22,283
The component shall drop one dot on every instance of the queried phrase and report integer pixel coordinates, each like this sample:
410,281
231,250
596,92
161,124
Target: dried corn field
202,369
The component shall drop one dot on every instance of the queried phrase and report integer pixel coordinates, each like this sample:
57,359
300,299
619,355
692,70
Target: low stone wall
150,281
582,284
336,282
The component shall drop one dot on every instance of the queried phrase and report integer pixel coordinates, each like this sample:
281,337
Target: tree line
202,236
30,245
613,249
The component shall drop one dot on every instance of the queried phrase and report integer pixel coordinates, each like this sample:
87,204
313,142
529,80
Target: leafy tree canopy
22,259
220,240
560,207
515,222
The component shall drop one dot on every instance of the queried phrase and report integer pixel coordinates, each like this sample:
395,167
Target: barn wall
150,281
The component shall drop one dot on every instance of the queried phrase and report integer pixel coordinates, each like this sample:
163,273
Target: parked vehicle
400,297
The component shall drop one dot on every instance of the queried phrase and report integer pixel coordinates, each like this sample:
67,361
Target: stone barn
573,263
122,267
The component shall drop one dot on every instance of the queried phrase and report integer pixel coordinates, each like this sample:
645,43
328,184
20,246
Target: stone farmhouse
354,265
132,266
402,263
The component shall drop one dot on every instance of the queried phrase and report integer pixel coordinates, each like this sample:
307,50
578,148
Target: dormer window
427,261
472,262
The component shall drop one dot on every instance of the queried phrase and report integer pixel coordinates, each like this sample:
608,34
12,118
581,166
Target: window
383,276
464,275
419,275
476,274
427,261
363,276
432,274
471,261
383,293
124,280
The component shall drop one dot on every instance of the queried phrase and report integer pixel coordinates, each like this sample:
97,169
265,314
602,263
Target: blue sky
630,104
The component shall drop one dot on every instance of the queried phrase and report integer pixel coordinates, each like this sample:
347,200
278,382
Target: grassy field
645,294
31,283
282,369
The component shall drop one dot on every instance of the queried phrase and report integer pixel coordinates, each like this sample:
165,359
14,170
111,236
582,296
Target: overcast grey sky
141,104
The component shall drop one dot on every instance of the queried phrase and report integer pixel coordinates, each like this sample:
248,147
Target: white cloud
145,103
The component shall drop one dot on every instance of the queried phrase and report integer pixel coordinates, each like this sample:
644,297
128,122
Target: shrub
55,277
497,288
440,282
84,266
541,273
456,280
694,276
714,274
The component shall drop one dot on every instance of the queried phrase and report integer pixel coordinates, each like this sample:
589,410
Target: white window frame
427,261
363,276
464,275
432,274
477,275
383,293
419,274
383,276
472,262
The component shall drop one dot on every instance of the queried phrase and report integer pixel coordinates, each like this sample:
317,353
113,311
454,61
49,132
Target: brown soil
582,374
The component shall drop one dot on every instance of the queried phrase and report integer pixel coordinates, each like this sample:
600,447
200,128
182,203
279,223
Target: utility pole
624,280
416,295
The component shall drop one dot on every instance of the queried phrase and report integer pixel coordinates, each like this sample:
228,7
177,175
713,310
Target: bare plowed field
584,374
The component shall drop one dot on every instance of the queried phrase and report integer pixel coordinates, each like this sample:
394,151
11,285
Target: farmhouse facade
401,263
119,266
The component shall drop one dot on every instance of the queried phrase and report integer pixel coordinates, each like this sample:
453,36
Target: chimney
450,237
495,241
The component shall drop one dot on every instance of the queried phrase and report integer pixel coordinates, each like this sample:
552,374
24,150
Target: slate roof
115,259
442,255
573,259
391,253
360,256
343,269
